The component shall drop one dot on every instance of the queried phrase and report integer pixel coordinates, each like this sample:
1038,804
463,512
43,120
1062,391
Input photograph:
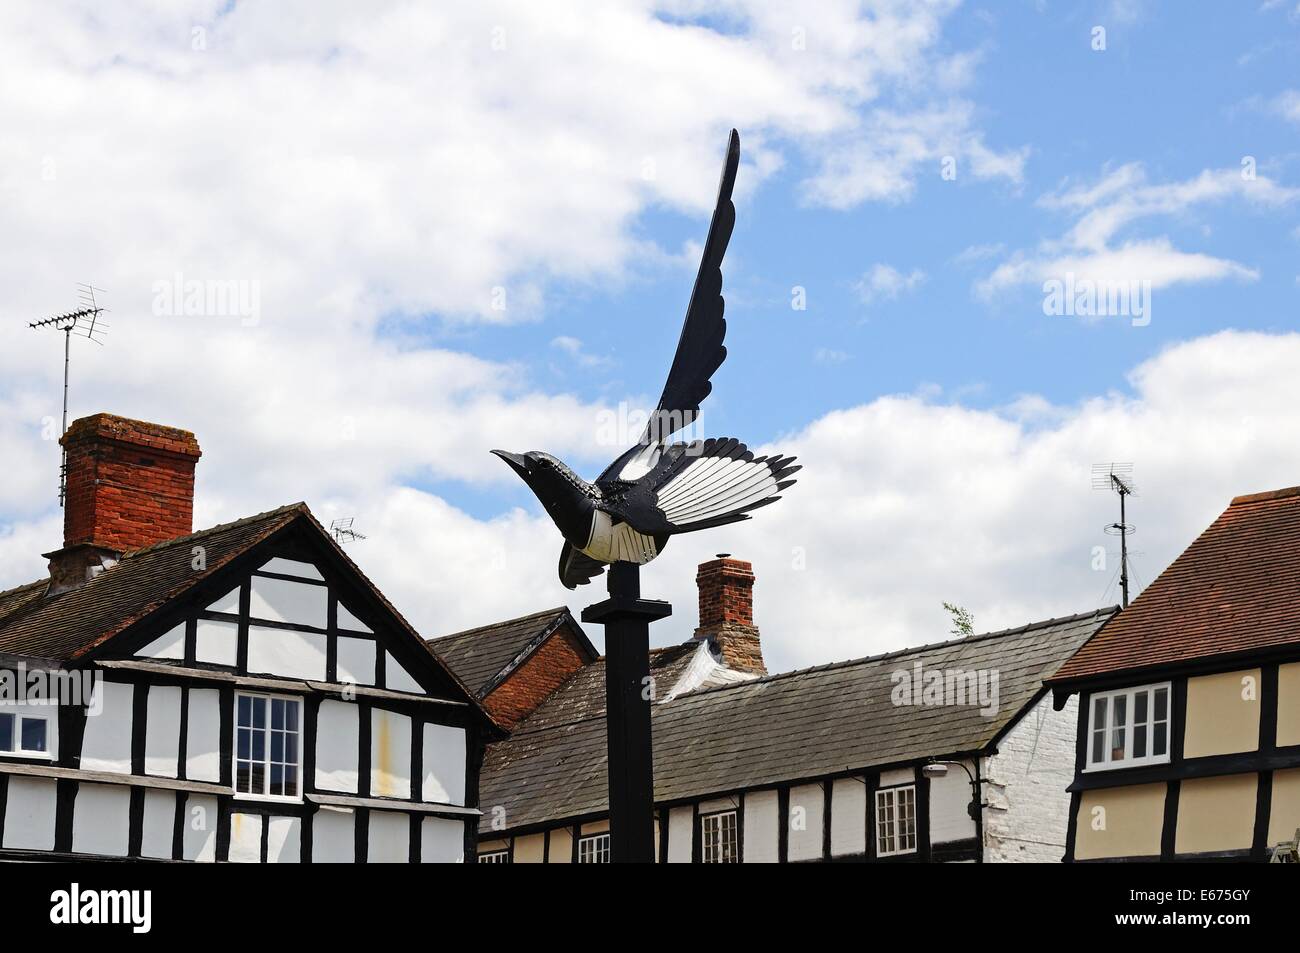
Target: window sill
28,755
267,798
1144,763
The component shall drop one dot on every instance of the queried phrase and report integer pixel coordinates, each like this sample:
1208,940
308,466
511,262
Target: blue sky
373,178
1179,91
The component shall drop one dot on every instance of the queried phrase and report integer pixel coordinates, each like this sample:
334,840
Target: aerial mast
84,322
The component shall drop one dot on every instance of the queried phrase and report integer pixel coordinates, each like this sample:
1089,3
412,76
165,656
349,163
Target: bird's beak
517,462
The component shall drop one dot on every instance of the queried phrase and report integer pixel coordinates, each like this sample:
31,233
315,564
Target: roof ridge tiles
244,521
915,649
541,613
1266,496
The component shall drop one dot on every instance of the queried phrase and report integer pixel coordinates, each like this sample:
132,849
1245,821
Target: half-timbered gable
1188,731
255,698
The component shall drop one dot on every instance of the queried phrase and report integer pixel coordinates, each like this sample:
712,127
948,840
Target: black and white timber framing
387,740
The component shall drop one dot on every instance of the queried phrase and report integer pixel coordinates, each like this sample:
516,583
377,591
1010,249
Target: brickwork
727,613
130,484
532,683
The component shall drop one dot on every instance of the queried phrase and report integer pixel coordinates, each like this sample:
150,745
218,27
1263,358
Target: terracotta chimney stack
129,484
727,613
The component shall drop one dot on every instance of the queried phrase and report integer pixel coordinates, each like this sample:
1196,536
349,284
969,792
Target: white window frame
494,857
1108,762
888,811
597,848
716,853
28,712
266,777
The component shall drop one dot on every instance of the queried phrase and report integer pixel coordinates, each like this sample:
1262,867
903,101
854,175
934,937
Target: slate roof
779,728
70,624
480,655
1235,589
582,697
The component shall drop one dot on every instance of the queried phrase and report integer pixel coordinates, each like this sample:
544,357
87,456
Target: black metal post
1123,549
626,618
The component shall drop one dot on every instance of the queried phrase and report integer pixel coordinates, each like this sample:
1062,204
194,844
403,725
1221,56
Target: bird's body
657,489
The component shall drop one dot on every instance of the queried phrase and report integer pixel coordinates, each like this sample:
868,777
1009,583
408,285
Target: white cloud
1287,105
890,151
830,355
371,173
882,282
574,348
904,502
1092,249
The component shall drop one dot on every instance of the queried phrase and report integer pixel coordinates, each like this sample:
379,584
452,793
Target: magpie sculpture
657,488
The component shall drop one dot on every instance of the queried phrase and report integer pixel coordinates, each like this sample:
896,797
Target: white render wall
1025,786
950,798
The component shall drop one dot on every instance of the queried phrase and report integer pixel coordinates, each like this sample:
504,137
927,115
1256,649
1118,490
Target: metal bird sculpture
657,489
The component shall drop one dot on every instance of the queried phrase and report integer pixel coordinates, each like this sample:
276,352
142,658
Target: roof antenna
1118,477
342,531
84,322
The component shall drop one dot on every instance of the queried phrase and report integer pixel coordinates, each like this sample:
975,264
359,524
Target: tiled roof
583,696
479,655
1236,588
774,729
13,601
71,623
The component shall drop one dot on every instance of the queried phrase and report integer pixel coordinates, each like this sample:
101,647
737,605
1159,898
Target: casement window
718,838
1129,727
495,857
267,751
593,849
24,734
896,821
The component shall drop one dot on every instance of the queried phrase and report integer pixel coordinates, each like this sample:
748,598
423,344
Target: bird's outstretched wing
700,350
577,569
703,484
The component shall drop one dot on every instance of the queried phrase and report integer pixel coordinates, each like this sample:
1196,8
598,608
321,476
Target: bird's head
522,463
566,496
541,470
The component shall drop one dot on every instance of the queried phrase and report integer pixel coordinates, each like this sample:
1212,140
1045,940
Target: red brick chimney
727,613
129,484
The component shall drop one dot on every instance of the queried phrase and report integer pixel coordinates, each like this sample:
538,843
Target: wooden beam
274,684
381,804
109,777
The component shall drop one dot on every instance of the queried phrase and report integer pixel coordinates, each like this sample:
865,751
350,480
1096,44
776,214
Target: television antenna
342,531
84,322
1118,477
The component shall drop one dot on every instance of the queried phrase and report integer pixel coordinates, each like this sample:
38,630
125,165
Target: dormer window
267,751
1129,727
